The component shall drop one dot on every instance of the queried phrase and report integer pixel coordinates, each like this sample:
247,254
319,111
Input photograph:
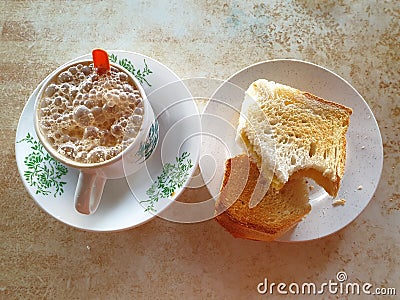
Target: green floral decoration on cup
147,148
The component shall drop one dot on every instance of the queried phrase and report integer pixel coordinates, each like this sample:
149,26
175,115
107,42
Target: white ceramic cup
92,176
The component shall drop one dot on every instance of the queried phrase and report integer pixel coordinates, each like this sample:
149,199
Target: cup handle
88,192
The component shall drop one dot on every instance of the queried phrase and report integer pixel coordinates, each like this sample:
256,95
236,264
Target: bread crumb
338,202
88,247
311,187
360,187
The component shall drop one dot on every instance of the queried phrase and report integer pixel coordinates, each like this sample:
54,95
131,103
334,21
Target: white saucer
120,206
364,142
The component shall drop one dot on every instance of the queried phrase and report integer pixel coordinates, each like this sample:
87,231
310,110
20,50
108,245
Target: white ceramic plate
120,207
364,143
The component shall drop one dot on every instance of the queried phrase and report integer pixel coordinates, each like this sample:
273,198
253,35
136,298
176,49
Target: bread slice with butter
274,215
295,134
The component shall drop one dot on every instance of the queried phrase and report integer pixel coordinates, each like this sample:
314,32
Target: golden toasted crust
243,231
330,103
277,212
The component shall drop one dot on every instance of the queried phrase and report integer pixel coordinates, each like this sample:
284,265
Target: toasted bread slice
275,214
294,133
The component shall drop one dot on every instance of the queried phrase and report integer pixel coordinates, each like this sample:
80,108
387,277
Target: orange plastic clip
101,61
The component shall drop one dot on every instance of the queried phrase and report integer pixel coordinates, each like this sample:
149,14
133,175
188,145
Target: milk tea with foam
90,118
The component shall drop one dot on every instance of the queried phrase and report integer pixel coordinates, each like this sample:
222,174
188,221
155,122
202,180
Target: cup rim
67,161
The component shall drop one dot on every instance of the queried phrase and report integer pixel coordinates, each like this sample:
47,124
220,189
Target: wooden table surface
42,258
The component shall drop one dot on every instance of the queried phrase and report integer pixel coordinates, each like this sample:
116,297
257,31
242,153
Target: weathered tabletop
41,258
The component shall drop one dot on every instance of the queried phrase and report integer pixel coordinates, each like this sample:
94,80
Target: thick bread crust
272,217
327,102
239,230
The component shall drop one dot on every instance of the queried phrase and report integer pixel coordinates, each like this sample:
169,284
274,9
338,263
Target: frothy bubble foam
90,118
